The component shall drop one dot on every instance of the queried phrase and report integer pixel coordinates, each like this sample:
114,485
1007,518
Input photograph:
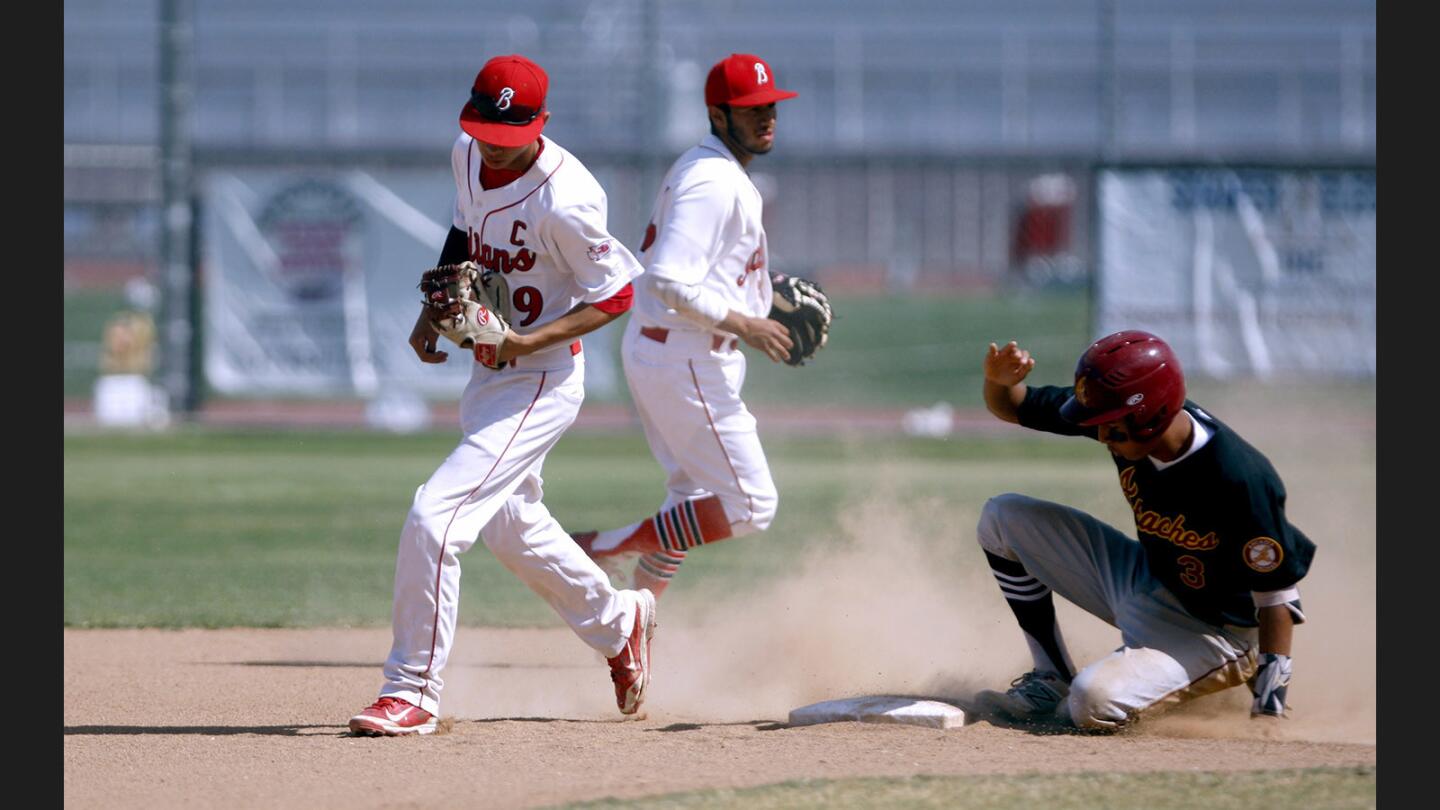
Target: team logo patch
1081,392
598,252
760,76
1135,399
485,353
1263,554
503,103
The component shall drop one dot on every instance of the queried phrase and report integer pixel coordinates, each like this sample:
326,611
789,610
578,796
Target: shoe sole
370,727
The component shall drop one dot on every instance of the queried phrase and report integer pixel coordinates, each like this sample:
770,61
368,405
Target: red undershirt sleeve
619,302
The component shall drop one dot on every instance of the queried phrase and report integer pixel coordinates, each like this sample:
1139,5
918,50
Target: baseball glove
802,307
470,307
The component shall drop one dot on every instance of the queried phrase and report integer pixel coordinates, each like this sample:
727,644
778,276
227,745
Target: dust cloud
886,609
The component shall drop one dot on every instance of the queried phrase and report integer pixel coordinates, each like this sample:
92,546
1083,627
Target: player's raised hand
1009,365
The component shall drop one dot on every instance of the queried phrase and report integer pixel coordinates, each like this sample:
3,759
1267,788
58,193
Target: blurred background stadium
954,171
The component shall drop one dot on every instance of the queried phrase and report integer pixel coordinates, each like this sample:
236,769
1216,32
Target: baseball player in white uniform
525,207
706,287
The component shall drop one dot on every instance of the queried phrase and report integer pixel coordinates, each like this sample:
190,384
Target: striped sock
674,530
655,570
1033,604
691,523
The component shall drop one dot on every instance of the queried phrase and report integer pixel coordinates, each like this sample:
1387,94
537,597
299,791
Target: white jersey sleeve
692,235
601,265
705,248
692,301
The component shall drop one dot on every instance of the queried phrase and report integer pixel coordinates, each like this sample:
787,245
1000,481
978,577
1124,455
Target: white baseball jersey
546,231
706,229
685,376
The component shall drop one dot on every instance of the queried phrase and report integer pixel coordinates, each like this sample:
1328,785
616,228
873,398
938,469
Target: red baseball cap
743,80
506,102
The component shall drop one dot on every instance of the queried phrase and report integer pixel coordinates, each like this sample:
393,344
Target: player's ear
545,116
717,118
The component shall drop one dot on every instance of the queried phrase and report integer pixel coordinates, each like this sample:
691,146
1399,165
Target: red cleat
630,670
392,717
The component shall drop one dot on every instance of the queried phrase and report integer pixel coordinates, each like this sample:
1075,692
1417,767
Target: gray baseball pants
1167,656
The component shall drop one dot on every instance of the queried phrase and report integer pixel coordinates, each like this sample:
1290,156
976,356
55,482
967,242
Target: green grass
1309,789
910,351
890,351
299,529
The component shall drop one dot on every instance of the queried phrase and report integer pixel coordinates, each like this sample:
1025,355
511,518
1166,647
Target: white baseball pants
687,393
490,484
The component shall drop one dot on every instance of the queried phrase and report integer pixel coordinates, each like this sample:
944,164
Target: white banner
310,285
1250,272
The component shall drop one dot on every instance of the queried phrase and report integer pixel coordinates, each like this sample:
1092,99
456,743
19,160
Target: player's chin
761,146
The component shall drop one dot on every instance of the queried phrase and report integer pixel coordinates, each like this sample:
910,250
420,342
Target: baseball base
880,709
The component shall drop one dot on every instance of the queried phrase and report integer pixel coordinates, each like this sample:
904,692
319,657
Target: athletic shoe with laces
1031,697
392,717
630,669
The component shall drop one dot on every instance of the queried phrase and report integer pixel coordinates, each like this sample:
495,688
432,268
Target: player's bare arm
1005,371
770,337
1272,678
1277,627
424,340
581,320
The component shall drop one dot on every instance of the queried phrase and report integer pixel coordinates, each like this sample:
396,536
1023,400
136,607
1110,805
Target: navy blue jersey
1213,526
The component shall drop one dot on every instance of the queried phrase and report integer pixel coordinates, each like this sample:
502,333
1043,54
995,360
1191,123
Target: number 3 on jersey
1192,571
529,301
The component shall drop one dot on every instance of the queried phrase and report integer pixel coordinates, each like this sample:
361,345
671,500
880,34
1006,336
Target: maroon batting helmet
1130,375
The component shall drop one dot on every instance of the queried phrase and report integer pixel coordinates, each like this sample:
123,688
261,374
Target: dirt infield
256,718
249,718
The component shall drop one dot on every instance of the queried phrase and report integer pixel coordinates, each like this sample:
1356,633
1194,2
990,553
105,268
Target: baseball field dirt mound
257,718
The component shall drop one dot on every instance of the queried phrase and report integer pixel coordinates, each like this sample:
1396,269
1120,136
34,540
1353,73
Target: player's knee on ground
993,516
752,512
1096,701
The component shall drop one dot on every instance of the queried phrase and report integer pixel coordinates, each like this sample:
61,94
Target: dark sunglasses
515,115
